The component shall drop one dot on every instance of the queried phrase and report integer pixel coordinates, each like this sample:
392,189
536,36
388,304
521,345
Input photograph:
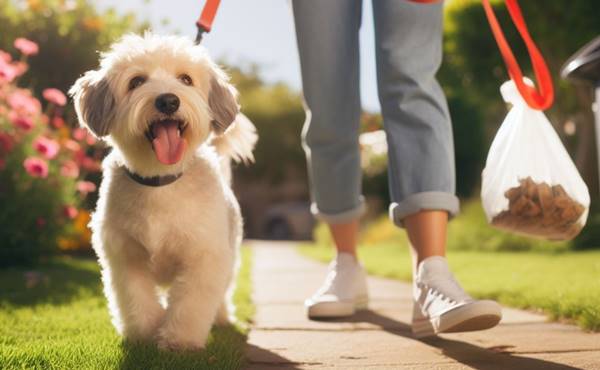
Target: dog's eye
186,79
136,81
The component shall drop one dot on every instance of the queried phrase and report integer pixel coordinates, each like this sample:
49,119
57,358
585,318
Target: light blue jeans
408,42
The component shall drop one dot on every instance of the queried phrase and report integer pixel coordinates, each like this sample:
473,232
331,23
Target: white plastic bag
530,184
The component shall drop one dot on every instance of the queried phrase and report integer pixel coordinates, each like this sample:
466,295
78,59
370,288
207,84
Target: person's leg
427,234
327,36
416,118
345,237
421,161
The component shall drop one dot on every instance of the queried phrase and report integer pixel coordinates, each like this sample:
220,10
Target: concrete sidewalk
283,338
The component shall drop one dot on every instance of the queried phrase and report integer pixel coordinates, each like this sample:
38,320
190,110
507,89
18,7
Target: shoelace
447,289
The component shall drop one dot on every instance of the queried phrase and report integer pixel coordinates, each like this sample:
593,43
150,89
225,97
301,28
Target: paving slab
380,338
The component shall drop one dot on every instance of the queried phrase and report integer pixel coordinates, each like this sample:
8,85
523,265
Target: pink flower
55,96
20,67
8,71
72,145
90,164
36,167
20,121
22,101
90,139
70,211
58,122
40,222
26,47
85,187
47,147
69,169
79,133
5,57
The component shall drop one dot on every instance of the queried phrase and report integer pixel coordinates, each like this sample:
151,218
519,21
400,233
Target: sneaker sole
488,314
331,310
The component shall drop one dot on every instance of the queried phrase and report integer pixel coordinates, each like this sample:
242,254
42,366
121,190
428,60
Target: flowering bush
73,31
42,163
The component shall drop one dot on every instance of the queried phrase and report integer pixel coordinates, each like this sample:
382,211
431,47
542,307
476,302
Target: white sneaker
344,291
442,306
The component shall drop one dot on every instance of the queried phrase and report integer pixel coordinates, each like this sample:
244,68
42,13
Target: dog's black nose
167,103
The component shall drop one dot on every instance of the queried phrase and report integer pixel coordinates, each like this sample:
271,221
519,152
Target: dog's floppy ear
222,101
94,102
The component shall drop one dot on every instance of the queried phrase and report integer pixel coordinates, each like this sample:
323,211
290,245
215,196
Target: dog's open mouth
167,141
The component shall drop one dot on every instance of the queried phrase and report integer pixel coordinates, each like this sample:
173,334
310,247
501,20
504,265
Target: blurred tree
278,115
70,33
469,145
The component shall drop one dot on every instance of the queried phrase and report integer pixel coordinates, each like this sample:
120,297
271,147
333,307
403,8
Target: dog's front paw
144,327
173,342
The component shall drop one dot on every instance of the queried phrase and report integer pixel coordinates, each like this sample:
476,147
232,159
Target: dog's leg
131,292
224,314
194,299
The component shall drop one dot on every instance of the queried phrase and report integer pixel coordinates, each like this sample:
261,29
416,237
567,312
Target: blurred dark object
289,221
583,67
470,146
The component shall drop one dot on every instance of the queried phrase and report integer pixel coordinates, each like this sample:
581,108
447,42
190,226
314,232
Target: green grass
63,323
563,285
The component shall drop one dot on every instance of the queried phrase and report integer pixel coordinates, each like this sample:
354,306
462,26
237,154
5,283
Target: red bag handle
541,98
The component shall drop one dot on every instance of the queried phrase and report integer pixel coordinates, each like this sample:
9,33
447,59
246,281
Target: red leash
540,98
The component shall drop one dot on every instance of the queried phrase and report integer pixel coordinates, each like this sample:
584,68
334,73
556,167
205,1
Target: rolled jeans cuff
429,200
339,217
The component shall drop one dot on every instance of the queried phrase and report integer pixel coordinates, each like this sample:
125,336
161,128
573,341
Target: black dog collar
153,181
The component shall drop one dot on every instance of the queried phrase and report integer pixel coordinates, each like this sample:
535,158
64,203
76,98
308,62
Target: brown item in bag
541,210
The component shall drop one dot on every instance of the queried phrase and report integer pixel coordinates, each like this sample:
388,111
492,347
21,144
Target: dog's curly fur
182,237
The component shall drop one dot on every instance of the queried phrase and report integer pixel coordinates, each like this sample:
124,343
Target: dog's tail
237,142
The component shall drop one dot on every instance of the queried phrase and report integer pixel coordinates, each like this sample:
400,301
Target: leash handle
542,97
204,23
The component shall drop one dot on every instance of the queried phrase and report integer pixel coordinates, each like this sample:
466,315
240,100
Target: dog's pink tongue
168,144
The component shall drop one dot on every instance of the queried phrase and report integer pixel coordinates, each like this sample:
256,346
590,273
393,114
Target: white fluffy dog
166,216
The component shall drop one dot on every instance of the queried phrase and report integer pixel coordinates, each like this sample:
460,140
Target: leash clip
199,34
205,21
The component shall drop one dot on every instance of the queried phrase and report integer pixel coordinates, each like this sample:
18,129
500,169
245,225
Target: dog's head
155,98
